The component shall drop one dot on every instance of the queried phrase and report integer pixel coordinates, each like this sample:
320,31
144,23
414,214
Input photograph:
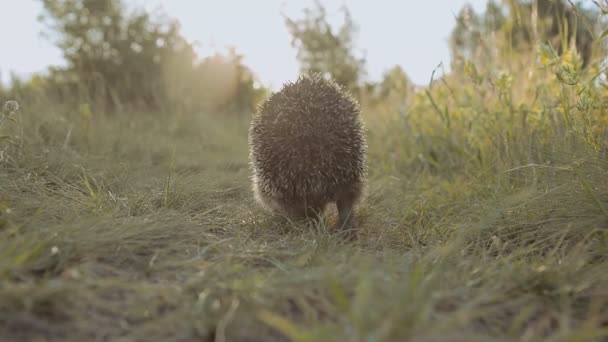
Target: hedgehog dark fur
307,149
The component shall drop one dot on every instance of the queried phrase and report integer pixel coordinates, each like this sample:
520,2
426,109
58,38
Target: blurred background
257,31
226,56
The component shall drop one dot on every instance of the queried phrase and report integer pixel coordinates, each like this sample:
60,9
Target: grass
485,219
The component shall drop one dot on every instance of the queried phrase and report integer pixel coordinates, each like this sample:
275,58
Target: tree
395,85
394,89
322,50
113,57
218,83
117,58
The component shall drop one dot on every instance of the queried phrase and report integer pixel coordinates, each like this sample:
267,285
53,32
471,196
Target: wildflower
10,107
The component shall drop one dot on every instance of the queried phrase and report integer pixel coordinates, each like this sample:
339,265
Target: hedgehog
307,150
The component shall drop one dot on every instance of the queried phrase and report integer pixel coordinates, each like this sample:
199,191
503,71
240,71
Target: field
485,219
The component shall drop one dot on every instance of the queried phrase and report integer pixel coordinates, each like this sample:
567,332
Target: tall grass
485,219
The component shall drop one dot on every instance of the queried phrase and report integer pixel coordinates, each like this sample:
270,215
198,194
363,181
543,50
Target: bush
117,59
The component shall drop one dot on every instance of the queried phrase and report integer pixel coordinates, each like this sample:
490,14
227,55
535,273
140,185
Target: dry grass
133,227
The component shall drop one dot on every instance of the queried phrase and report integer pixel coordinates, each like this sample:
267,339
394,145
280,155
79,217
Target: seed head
10,107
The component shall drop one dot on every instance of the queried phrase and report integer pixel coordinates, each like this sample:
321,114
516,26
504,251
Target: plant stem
4,117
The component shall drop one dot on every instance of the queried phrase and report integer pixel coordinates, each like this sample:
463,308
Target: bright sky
411,33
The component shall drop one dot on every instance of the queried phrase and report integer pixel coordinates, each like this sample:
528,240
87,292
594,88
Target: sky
410,33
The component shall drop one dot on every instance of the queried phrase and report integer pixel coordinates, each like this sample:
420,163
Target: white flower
10,107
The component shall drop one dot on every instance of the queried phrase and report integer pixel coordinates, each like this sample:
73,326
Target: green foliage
395,89
323,50
113,57
523,26
116,59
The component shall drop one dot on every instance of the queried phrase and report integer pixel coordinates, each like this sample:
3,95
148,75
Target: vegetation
118,60
323,50
486,215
